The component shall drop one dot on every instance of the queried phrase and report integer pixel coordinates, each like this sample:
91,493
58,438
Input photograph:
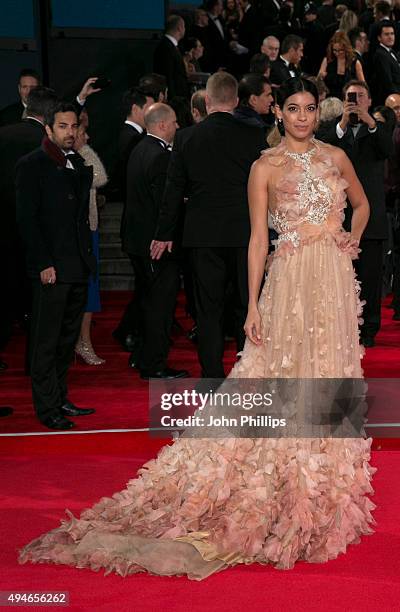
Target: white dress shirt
135,125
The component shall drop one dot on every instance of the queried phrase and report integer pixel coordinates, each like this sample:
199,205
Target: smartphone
101,83
352,97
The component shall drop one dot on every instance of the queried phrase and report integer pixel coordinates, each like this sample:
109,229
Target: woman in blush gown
206,504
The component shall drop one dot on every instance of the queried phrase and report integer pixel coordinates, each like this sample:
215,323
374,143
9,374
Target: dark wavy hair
295,85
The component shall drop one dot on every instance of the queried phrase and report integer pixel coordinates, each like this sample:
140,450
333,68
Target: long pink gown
206,504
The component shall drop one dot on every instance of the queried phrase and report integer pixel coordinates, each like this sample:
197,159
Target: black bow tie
292,67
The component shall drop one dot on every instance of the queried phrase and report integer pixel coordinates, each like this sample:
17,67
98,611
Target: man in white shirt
168,60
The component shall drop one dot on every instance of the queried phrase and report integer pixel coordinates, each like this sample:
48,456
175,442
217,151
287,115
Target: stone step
112,208
109,237
111,251
115,266
112,222
116,282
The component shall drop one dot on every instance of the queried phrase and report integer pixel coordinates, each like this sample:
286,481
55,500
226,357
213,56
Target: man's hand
365,117
158,247
88,89
348,107
48,276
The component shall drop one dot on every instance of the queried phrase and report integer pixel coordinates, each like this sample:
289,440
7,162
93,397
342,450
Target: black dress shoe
69,409
128,343
133,360
5,411
192,335
368,342
396,316
58,422
165,373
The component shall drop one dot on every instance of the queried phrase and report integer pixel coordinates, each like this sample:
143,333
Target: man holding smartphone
368,144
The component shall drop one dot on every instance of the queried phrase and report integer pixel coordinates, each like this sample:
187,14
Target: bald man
393,202
156,282
270,47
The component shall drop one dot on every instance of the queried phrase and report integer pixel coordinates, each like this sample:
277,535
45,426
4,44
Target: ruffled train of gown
206,504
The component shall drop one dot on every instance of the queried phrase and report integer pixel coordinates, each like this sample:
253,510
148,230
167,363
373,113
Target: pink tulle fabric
206,504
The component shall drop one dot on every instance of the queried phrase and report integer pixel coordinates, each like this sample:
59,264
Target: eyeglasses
336,50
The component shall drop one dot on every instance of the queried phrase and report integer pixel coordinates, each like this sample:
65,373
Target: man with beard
53,185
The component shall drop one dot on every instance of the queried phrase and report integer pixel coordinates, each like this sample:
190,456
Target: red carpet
117,392
39,482
41,476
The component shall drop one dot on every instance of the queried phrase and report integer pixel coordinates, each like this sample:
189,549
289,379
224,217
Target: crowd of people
190,133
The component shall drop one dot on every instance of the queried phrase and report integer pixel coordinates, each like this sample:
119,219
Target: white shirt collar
285,60
34,119
168,144
387,48
172,39
135,125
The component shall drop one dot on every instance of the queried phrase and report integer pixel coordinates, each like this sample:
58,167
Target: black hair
383,8
384,24
41,101
29,72
388,114
187,44
209,4
134,95
354,34
356,83
60,107
251,85
291,42
259,63
152,85
295,85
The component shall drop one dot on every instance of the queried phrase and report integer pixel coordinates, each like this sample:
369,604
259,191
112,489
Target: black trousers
57,312
213,269
158,283
369,270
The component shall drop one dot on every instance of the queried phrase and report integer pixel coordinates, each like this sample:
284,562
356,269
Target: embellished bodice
307,196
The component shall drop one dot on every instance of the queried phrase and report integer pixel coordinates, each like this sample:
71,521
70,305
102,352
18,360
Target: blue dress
93,301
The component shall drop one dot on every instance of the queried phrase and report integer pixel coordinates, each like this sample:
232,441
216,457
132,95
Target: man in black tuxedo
255,99
216,50
382,16
53,187
210,165
17,140
386,65
28,79
368,144
157,282
287,64
168,59
249,29
360,43
135,103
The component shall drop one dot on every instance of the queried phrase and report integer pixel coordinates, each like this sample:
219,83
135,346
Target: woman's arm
355,194
258,245
322,71
359,71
